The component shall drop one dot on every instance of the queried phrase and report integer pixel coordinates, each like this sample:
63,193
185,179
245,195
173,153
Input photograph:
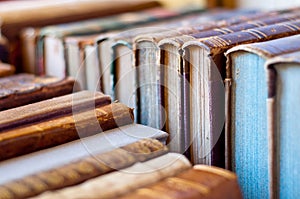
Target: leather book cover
64,154
51,108
129,179
84,169
63,129
199,182
23,89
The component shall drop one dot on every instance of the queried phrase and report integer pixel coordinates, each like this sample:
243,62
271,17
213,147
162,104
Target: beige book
124,181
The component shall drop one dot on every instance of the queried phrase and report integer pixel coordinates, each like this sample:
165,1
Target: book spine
61,130
82,170
272,138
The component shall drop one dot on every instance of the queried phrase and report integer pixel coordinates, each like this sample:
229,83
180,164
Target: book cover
248,114
129,179
199,182
84,168
63,129
282,106
51,108
23,89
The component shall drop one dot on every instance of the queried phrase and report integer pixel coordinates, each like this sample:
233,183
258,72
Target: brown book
81,170
22,89
16,15
64,129
6,69
126,180
199,182
51,108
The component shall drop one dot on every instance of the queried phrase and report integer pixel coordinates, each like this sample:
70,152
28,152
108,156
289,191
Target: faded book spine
82,170
61,130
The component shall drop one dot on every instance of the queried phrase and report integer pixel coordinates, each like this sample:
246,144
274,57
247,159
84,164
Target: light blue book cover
250,144
284,103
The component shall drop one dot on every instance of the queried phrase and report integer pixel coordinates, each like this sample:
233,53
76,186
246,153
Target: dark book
22,89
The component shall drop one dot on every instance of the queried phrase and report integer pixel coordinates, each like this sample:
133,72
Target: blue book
284,105
247,110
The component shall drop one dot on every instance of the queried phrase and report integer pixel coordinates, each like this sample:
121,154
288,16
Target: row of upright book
221,83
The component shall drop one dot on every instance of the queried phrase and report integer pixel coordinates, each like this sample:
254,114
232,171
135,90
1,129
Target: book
63,154
51,108
75,61
63,129
43,13
129,179
123,73
124,68
170,75
148,54
85,168
49,40
22,89
82,51
282,72
205,65
6,69
199,182
247,109
17,15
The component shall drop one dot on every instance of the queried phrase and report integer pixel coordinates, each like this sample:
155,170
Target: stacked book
214,85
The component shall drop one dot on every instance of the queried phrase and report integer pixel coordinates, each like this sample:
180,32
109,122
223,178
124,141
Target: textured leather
199,182
22,89
129,179
55,107
63,129
78,171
